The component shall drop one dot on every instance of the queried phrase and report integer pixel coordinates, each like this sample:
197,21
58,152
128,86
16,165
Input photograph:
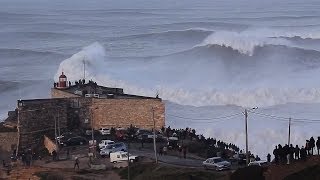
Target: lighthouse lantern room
62,84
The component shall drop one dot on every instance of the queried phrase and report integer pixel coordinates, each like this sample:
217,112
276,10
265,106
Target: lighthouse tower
62,84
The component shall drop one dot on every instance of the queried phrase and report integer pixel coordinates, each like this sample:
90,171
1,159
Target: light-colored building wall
124,112
57,93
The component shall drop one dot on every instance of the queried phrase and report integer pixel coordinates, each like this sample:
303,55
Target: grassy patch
250,172
312,173
146,171
48,175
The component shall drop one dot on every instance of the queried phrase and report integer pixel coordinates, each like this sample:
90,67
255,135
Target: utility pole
55,130
128,158
154,136
18,129
289,127
246,126
59,125
84,68
92,134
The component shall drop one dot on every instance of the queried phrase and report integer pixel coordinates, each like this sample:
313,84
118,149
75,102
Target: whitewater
207,60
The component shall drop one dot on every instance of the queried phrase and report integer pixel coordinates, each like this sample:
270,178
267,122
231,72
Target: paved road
169,159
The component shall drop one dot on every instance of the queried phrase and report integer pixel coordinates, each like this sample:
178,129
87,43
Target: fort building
82,105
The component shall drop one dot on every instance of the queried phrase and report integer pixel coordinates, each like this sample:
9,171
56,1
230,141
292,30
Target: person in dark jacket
286,150
303,153
312,144
276,155
269,157
291,149
296,152
76,163
307,148
318,144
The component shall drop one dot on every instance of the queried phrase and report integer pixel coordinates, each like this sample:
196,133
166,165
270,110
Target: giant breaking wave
227,68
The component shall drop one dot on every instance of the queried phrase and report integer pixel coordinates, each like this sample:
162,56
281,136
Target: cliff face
8,141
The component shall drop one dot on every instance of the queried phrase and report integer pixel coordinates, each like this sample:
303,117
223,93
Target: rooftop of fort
83,88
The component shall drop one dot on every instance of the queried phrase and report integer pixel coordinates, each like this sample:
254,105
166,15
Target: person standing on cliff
68,153
269,157
312,144
76,163
184,152
296,152
276,155
318,144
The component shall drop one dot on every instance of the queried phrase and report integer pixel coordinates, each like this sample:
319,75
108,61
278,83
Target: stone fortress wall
80,106
124,112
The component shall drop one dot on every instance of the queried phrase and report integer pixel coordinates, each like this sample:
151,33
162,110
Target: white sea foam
243,90
246,41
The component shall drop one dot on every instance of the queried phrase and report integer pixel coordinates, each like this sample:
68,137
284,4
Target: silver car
216,163
258,163
113,148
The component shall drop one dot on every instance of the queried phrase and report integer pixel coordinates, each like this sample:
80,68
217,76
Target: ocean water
209,60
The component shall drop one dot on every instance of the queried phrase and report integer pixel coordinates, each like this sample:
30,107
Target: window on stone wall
75,103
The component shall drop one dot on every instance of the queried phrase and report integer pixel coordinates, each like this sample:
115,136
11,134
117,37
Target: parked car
104,131
105,143
240,158
88,132
216,163
258,163
64,136
121,134
173,143
143,131
122,156
113,148
78,140
146,137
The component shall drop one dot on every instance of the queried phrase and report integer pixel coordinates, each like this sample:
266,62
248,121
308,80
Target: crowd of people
288,153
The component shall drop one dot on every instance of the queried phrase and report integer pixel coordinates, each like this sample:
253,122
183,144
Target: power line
304,119
280,118
206,119
271,116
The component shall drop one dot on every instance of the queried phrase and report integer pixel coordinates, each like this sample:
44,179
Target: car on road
104,131
105,143
77,140
258,163
216,163
65,136
239,158
88,132
113,148
122,156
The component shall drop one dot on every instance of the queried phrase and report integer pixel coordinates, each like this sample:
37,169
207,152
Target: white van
105,143
104,131
122,156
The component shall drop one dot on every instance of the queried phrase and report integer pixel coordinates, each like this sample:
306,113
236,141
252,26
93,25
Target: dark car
65,136
78,140
242,159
